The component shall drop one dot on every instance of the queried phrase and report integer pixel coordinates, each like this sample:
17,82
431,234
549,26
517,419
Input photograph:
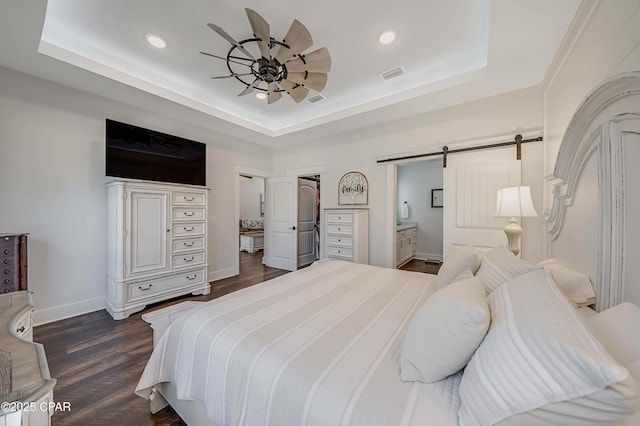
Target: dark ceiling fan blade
273,95
261,30
298,38
230,39
250,88
316,61
225,59
312,80
231,75
297,93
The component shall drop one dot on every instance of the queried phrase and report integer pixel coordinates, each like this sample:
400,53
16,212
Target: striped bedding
319,346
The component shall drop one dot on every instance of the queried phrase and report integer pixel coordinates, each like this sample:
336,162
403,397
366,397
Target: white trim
428,256
220,274
583,15
68,310
392,214
307,171
253,172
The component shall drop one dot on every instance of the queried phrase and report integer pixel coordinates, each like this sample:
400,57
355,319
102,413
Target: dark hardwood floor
98,361
421,266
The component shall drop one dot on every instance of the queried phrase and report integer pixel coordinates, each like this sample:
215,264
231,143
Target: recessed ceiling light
261,95
387,37
156,41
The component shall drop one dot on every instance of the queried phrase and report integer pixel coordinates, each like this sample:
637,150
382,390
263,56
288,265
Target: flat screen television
138,153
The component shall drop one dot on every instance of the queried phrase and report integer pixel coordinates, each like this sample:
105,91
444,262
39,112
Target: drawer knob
192,277
6,261
145,288
188,229
6,290
189,213
7,281
6,271
189,244
6,251
21,329
189,198
188,260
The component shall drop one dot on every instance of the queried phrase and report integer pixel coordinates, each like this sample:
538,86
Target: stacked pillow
538,352
575,285
499,265
529,358
463,259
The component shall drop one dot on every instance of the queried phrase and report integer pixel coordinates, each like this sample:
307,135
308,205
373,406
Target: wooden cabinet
346,234
13,262
406,241
157,244
26,386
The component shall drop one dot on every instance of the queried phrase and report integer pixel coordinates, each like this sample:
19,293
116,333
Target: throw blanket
319,346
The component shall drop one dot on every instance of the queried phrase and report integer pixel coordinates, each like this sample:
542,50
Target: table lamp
514,202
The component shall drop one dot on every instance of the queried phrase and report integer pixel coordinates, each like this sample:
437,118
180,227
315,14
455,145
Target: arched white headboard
594,224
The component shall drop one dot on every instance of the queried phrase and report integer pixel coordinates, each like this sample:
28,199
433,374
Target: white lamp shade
515,201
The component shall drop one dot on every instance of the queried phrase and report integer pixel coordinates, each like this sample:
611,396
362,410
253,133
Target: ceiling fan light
387,37
156,41
261,95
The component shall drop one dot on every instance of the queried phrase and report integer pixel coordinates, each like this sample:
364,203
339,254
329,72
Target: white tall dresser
346,234
157,244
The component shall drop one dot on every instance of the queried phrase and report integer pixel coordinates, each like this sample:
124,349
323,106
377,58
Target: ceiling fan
281,66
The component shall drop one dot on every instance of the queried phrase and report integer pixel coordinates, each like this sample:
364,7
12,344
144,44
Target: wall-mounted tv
138,153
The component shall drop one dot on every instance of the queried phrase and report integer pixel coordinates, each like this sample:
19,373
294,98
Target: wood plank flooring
98,361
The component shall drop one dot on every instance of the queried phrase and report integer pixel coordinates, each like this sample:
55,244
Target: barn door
470,184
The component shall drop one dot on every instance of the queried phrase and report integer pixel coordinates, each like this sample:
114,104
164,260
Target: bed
344,344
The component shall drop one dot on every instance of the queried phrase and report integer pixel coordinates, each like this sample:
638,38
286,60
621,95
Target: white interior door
470,184
307,221
280,222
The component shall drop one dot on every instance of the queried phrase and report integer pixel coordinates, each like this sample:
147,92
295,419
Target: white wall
499,116
53,187
250,192
605,41
415,182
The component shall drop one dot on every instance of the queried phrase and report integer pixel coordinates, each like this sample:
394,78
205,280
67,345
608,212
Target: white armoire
157,244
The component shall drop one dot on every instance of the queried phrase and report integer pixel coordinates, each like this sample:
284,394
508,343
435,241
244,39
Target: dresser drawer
188,259
148,288
339,218
187,229
340,229
188,199
343,252
181,214
339,241
188,244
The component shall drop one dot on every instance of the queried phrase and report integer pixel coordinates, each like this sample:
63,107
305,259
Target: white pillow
537,351
464,258
575,285
499,265
445,332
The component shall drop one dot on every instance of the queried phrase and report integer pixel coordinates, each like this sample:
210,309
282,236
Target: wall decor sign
436,198
353,189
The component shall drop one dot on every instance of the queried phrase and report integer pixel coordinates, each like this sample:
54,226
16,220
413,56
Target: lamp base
513,231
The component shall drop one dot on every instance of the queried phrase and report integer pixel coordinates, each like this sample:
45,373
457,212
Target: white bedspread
319,346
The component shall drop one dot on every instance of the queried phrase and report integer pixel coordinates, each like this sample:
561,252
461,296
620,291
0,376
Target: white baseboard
428,256
223,273
57,313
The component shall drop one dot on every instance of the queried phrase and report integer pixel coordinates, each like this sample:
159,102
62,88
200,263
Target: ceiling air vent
315,98
396,72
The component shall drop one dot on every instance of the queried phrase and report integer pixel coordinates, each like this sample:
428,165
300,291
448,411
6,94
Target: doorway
419,225
251,221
